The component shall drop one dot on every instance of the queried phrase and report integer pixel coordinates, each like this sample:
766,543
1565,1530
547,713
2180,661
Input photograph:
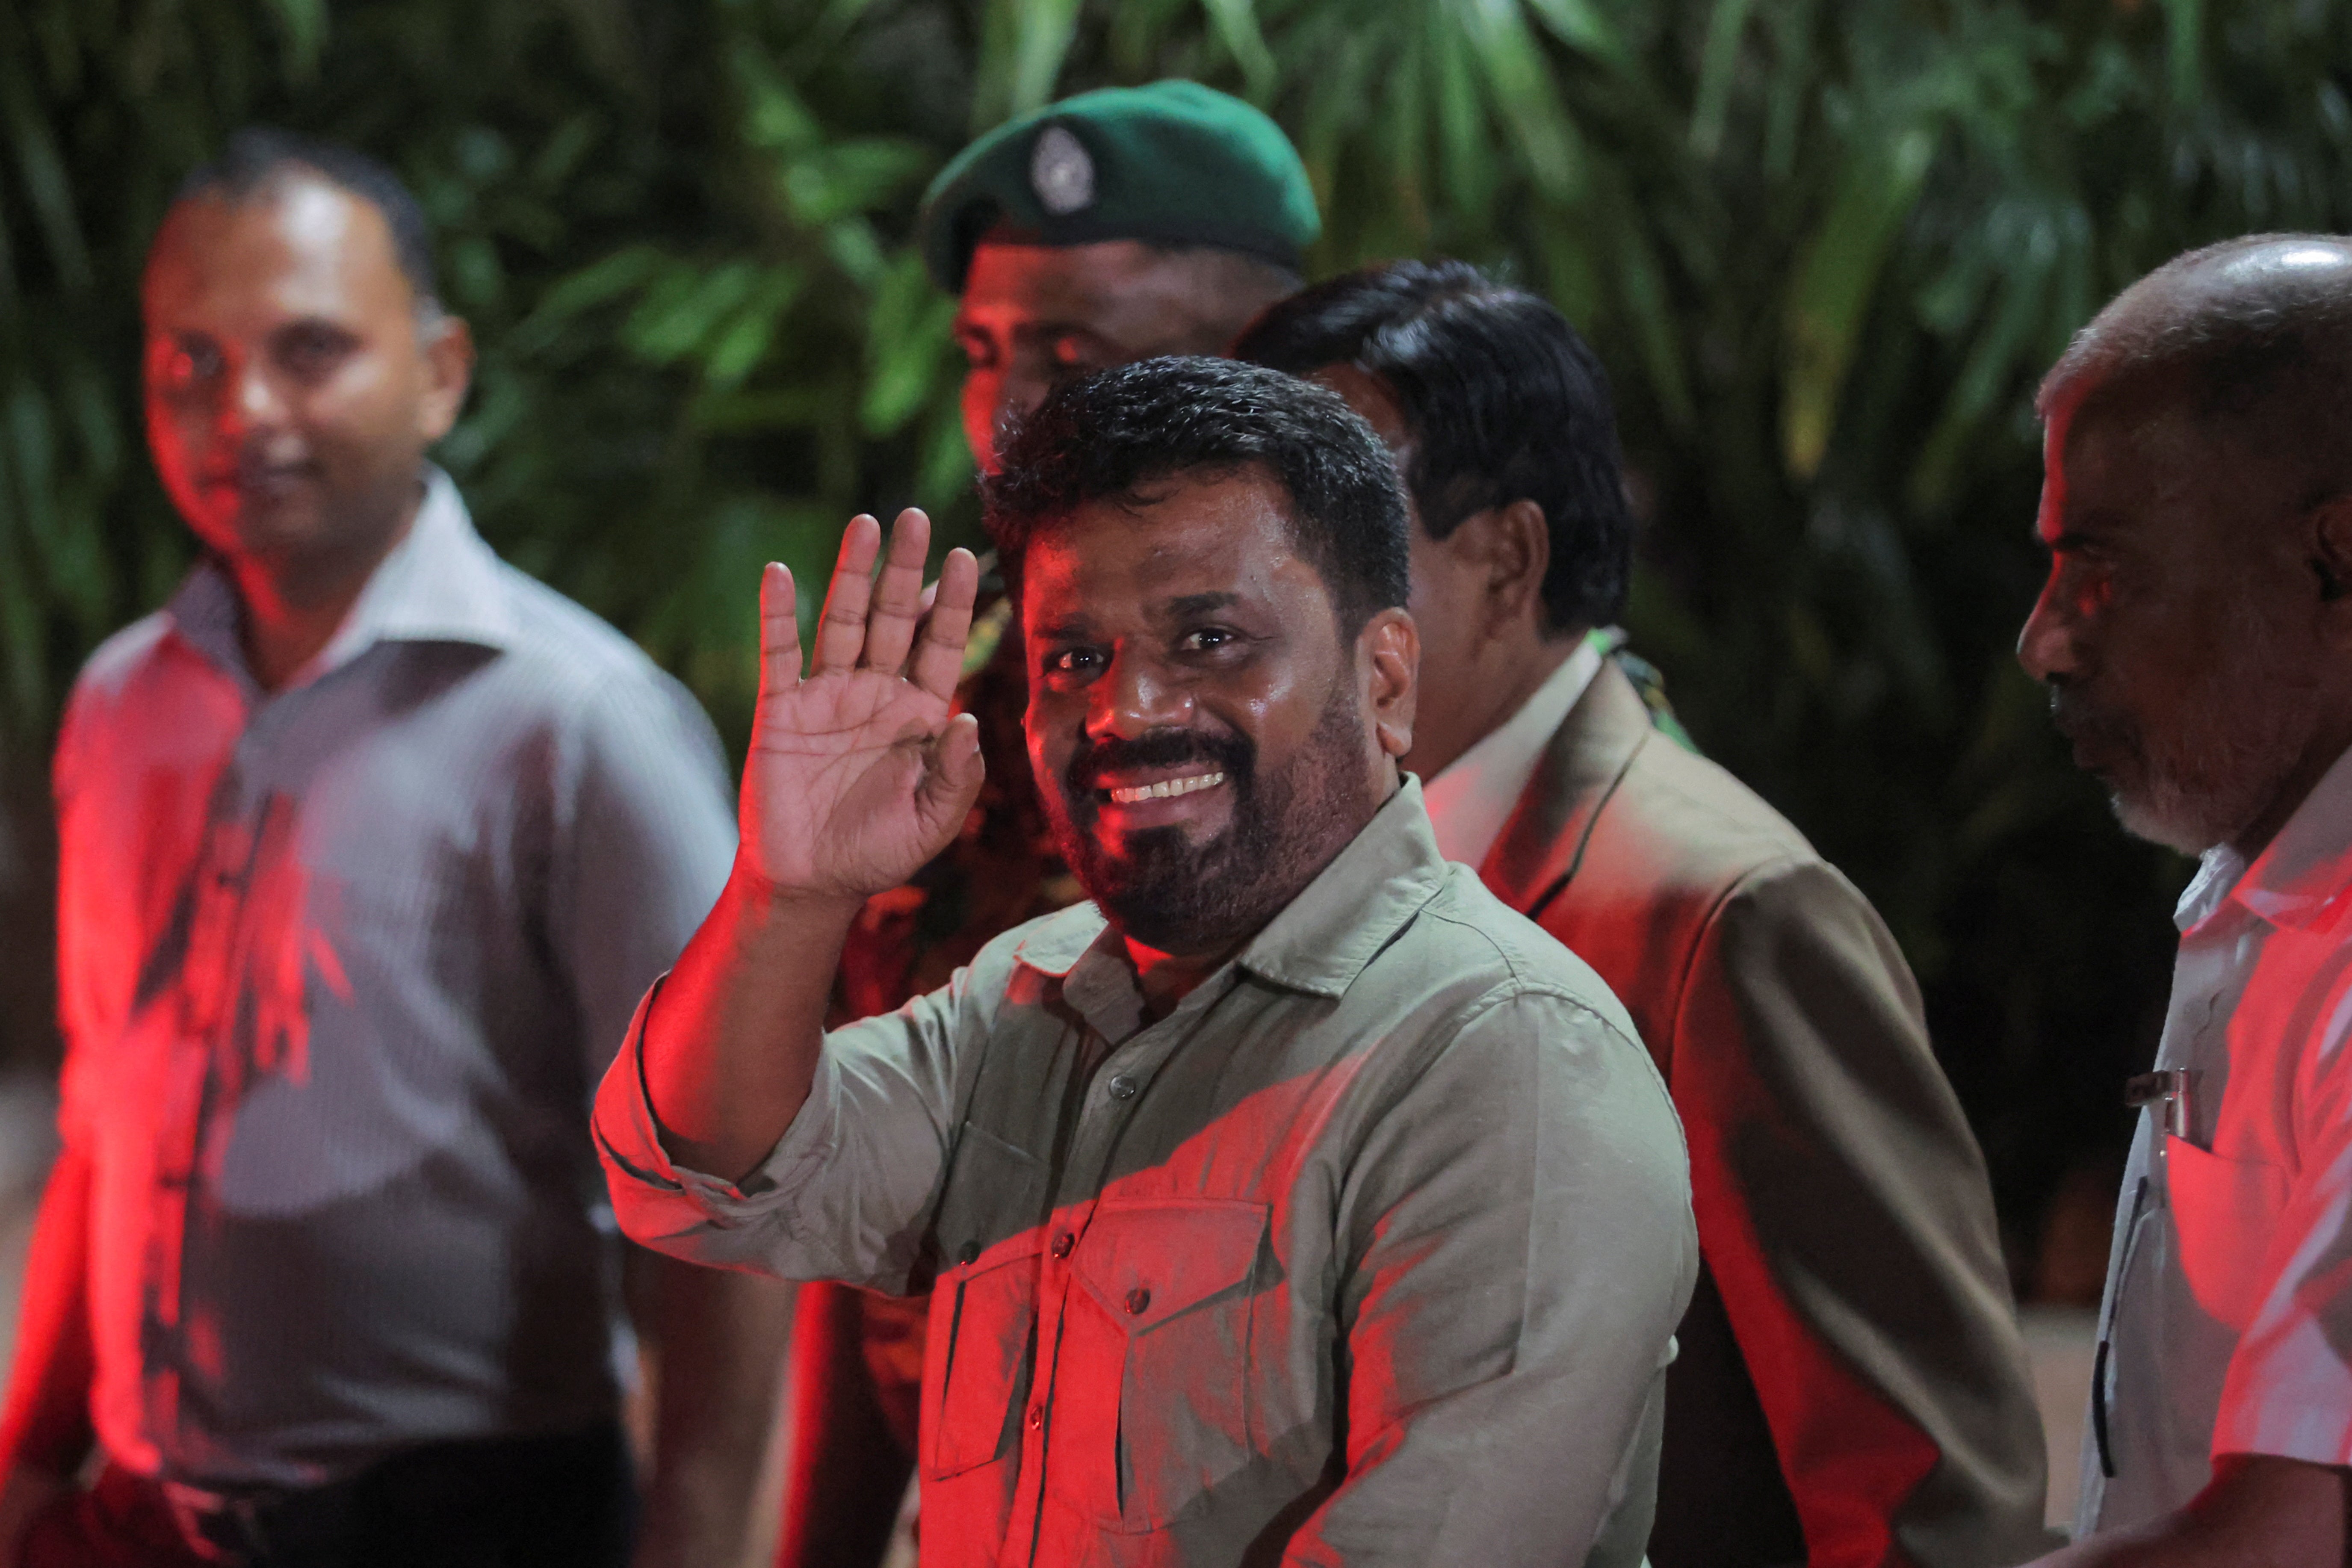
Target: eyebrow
1076,628
1201,604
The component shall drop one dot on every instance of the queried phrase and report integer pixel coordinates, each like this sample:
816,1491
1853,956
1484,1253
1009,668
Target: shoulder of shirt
577,651
1500,955
120,658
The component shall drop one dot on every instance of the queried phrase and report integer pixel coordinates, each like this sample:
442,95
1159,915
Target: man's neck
1505,681
291,606
2329,743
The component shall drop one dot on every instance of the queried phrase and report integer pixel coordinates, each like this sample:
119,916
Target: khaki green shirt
1370,1251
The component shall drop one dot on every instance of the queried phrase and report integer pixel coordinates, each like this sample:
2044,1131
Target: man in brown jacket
1852,1391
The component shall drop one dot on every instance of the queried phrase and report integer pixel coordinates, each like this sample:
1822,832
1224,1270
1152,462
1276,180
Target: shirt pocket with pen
1152,1407
2224,1215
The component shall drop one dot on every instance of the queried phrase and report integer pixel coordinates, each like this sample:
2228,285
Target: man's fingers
939,657
841,630
947,793
780,630
899,597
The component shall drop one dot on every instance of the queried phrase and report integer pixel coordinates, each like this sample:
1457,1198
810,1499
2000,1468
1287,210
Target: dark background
1825,249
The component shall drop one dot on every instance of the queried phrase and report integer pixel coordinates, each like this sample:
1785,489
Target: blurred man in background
368,843
1852,1391
1111,227
2196,634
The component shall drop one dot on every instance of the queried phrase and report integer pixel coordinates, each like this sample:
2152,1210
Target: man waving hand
1293,1200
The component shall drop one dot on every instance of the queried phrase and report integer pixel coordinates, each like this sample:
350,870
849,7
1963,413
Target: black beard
1171,894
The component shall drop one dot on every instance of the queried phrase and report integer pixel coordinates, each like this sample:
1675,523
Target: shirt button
1138,1301
1122,1087
1036,1417
1063,1242
971,1253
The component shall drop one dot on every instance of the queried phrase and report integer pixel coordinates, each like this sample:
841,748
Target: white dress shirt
338,964
2228,1322
1474,796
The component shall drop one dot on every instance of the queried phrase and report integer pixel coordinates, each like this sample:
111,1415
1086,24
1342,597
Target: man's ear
449,372
2331,547
1390,647
1513,544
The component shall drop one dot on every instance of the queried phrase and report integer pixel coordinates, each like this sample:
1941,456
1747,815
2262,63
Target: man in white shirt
366,840
1852,1391
2196,633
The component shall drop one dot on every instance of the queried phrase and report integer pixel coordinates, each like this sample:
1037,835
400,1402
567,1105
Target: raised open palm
857,773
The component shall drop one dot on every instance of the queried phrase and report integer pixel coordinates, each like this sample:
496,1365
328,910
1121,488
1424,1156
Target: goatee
1169,893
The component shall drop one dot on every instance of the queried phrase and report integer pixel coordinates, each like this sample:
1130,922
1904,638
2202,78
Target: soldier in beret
1112,226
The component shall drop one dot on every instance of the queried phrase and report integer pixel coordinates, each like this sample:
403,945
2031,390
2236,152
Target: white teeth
1166,788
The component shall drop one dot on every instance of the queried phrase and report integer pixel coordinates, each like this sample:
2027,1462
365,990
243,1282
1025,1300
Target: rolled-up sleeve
847,1191
1521,1248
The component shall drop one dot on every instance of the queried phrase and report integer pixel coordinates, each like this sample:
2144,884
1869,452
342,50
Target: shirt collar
1324,937
440,583
1321,939
2301,876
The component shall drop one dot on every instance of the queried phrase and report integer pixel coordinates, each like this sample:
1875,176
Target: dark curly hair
1504,400
1109,436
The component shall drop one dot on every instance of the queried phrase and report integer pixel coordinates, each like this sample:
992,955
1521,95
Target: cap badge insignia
1061,172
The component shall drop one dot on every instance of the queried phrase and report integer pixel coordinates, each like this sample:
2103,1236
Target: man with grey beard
2196,633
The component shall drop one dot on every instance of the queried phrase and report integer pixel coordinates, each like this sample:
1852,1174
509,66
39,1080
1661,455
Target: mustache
2078,716
256,463
1157,749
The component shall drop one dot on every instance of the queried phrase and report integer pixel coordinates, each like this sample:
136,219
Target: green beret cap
1174,163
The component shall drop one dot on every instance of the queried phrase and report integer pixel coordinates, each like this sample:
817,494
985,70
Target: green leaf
1023,45
2184,23
1836,276
1525,96
305,24
1043,41
601,281
739,345
1718,63
43,168
1643,290
908,345
1236,25
684,307
1579,25
854,176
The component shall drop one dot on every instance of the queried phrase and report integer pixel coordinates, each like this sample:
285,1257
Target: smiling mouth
1166,788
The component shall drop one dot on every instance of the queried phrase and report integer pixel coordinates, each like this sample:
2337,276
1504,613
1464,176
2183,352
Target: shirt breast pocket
2224,1215
1152,1407
983,1318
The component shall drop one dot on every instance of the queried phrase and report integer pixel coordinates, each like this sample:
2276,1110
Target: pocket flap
1144,1260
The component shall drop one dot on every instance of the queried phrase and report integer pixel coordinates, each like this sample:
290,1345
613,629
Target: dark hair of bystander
1504,400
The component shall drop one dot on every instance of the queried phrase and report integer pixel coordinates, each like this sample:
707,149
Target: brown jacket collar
1543,843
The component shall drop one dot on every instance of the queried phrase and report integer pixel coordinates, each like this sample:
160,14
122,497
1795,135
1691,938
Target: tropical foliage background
1826,248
